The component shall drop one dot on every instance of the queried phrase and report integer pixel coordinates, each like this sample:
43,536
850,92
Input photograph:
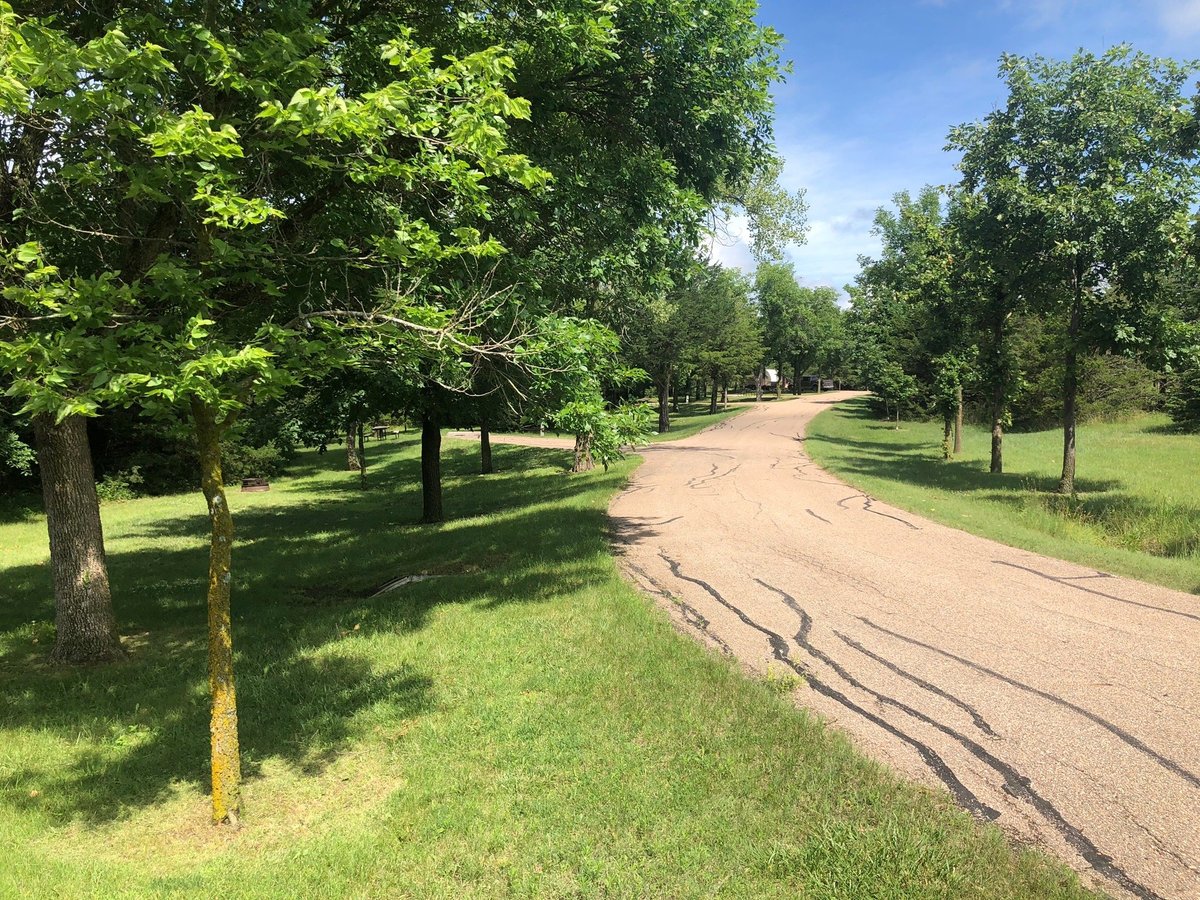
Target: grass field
1137,512
693,418
524,725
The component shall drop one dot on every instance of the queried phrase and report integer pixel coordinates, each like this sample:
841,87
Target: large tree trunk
958,419
485,448
85,626
664,399
1066,484
712,401
431,469
353,463
583,454
223,723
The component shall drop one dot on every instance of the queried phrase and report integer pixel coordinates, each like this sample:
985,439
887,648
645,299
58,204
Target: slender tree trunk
796,375
352,461
779,380
712,402
758,384
431,469
664,399
583,454
674,397
223,724
362,453
725,394
85,626
485,448
1066,484
998,430
819,381
948,436
958,420
999,384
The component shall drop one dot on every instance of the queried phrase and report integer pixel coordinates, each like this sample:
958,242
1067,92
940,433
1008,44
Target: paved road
1058,701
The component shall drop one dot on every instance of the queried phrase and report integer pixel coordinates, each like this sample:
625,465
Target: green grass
525,725
693,418
1137,512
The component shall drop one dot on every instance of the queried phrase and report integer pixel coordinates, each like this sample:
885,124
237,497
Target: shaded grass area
1137,512
525,725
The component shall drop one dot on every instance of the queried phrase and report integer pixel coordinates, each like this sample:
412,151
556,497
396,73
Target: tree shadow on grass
919,463
306,574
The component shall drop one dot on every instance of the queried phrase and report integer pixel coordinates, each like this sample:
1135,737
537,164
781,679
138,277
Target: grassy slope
1138,511
526,725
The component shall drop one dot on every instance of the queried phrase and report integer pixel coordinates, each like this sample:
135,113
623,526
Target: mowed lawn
1137,512
525,724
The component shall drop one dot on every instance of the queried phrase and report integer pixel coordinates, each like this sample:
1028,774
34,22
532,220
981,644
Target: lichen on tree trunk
958,420
353,463
85,625
223,723
1066,484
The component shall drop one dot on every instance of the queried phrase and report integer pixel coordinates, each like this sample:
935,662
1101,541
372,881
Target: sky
877,84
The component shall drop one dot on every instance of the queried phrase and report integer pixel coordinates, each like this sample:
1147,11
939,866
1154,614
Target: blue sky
878,84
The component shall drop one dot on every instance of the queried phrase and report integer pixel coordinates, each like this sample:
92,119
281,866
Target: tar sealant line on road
779,649
1118,732
870,567
1015,783
1066,582
979,720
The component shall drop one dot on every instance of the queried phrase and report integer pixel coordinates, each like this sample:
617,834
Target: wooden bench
251,485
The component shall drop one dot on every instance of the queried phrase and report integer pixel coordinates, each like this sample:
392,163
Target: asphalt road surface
1060,702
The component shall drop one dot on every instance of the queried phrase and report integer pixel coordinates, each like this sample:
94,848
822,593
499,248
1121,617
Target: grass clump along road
1136,513
524,725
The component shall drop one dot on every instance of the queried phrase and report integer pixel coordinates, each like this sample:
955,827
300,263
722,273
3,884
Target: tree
725,340
780,303
197,168
1094,161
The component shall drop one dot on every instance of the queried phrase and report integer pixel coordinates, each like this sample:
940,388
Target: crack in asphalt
817,516
1015,784
691,615
1066,582
869,506
1118,732
779,649
966,707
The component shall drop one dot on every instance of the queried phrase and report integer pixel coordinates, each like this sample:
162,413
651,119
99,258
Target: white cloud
1180,18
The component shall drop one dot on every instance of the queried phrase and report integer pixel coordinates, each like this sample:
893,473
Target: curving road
1062,703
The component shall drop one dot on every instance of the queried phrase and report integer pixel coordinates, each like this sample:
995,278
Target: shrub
117,487
240,461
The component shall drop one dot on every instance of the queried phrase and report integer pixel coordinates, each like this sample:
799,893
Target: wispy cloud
1181,18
